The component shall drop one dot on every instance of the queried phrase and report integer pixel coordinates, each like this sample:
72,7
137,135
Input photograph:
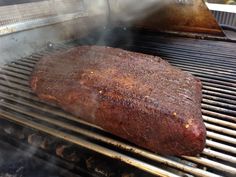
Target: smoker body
197,46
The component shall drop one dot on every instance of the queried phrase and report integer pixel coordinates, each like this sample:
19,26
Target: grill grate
212,62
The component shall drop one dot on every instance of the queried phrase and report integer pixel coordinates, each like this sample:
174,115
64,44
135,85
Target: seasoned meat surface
138,97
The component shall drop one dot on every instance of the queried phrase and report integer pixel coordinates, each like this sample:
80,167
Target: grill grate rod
209,47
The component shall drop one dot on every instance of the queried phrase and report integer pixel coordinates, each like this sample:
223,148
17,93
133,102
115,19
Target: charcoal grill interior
212,61
16,162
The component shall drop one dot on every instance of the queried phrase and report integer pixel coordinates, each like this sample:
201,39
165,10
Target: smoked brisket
136,96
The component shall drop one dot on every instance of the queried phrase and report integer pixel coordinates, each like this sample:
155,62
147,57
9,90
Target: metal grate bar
221,146
19,104
189,44
219,122
218,155
221,130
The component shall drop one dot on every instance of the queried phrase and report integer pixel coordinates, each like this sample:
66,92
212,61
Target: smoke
122,15
129,11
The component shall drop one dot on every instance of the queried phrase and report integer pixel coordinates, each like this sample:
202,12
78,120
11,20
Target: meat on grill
138,97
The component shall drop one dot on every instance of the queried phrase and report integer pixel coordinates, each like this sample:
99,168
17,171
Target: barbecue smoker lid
191,16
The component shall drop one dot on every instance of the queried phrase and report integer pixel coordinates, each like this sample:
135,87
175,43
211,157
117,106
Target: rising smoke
134,9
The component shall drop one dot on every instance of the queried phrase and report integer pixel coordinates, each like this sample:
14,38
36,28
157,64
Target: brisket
138,97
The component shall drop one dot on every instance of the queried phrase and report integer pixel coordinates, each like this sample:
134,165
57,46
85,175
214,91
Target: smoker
182,32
